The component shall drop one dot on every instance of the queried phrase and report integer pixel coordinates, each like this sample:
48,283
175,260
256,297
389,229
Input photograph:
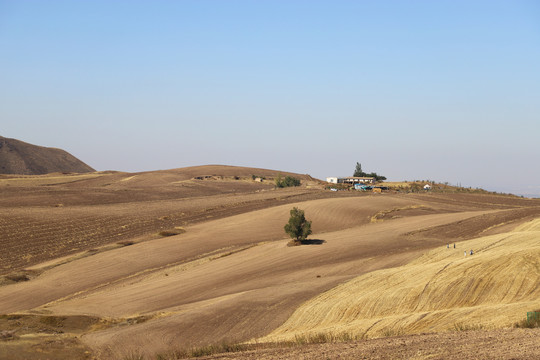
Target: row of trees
359,173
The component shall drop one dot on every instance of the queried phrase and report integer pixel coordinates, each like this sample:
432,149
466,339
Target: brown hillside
99,280
62,214
18,157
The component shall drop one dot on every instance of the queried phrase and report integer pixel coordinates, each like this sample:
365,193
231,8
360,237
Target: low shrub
392,332
54,321
468,327
126,242
17,277
172,232
325,337
529,323
208,350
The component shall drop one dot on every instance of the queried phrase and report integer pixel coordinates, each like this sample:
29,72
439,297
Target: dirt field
495,344
229,277
46,217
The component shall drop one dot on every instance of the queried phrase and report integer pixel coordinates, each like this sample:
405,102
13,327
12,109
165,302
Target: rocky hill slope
18,157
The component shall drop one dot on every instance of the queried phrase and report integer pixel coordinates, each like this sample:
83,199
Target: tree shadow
313,242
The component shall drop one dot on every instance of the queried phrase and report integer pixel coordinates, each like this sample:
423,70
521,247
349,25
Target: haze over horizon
446,90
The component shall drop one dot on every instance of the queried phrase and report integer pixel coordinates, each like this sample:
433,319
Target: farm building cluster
359,183
352,180
368,184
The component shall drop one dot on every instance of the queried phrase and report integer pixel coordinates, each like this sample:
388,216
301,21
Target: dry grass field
442,290
86,274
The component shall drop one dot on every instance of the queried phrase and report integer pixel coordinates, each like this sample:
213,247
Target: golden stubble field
444,289
231,277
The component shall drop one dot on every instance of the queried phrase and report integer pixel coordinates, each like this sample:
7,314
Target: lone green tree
298,227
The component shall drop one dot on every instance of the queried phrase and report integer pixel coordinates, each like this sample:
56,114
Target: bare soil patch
494,344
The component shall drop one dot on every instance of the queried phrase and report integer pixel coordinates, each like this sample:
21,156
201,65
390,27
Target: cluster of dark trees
359,173
287,181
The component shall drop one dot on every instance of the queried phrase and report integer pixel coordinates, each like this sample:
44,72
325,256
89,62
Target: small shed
332,180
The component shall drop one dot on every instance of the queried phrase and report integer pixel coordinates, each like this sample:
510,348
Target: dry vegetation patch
495,344
37,337
399,212
18,276
172,232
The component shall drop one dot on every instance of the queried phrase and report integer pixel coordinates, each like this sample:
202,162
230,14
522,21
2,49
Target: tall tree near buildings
358,171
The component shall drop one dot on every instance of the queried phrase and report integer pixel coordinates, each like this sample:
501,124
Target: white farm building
350,180
332,180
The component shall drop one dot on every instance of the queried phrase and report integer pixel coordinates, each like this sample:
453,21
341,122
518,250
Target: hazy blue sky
441,90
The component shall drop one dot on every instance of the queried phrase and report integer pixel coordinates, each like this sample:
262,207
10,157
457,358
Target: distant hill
18,157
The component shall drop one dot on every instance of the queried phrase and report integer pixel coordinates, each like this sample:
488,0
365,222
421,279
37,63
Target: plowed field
230,276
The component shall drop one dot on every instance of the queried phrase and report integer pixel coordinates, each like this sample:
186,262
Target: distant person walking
471,252
454,245
448,246
465,253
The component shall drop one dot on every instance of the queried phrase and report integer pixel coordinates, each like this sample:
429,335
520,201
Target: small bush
524,324
255,177
294,243
529,323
